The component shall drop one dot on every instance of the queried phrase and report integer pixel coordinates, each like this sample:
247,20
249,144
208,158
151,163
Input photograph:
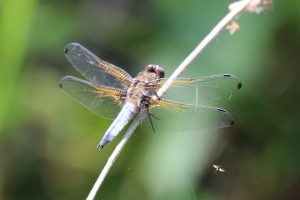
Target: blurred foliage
15,24
47,140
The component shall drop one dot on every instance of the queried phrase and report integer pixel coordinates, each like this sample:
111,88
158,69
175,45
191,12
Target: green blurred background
47,140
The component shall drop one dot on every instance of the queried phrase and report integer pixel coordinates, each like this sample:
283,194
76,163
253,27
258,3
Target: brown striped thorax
144,86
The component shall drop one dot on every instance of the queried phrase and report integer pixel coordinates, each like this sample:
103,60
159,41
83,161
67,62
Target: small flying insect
218,168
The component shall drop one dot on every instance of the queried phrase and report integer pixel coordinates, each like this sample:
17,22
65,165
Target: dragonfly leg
149,115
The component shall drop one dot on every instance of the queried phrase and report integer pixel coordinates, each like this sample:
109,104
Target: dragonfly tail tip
99,147
101,144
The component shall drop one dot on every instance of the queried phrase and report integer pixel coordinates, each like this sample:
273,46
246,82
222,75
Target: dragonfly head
156,69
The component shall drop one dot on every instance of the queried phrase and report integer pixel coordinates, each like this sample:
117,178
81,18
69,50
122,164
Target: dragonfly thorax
144,86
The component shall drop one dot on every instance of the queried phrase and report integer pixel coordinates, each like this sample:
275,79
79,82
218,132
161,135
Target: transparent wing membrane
96,70
102,101
208,90
177,117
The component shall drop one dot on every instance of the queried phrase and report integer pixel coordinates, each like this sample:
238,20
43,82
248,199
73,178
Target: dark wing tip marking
61,82
65,78
222,110
66,50
71,45
239,85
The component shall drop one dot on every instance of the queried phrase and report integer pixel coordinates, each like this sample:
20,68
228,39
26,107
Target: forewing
178,117
208,90
96,70
102,101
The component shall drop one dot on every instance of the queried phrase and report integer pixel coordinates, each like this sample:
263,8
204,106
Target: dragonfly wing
96,70
178,117
102,101
208,90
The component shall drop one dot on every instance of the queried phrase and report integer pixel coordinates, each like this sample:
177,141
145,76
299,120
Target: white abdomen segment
126,114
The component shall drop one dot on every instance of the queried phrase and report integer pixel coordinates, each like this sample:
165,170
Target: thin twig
215,31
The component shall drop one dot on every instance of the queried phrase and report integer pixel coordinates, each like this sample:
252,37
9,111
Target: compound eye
160,71
150,68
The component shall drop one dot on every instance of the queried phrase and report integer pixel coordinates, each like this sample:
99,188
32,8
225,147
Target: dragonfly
111,93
